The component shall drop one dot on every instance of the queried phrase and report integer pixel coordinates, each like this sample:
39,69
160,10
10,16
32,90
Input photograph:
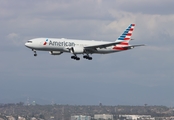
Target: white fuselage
63,45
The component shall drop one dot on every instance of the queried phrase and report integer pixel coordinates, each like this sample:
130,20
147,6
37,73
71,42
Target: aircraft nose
29,44
26,44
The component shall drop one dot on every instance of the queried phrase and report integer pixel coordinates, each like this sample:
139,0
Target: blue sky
135,77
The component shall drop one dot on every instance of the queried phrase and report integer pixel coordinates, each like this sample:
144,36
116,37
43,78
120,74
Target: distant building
51,117
21,118
103,116
172,118
80,117
34,103
33,118
136,117
10,118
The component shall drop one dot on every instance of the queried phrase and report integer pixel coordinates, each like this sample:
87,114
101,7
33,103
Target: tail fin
126,36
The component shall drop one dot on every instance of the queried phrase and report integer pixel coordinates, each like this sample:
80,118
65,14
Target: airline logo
58,43
61,43
45,43
127,33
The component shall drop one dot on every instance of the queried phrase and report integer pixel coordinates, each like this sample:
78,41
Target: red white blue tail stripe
126,36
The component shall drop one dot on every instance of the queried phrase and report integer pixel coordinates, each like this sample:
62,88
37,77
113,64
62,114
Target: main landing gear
35,54
87,57
75,58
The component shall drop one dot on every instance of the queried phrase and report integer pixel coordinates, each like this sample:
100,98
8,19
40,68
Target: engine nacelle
55,52
77,50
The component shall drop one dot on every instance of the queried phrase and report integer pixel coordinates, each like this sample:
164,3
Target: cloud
144,6
15,38
12,36
90,19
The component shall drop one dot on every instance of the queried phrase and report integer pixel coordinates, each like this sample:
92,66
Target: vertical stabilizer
125,37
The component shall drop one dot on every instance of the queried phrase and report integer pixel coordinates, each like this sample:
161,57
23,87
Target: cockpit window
29,41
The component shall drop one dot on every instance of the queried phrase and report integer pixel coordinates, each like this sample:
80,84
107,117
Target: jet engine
77,50
55,52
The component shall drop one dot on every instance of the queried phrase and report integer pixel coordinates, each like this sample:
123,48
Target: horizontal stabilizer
132,46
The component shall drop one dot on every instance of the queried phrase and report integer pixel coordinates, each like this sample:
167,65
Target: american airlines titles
64,43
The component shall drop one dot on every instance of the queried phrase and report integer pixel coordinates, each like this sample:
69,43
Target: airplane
57,46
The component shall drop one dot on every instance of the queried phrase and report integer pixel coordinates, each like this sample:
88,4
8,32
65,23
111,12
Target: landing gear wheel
90,58
72,57
35,54
75,58
87,57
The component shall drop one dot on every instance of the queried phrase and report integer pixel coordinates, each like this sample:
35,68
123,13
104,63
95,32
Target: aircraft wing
102,45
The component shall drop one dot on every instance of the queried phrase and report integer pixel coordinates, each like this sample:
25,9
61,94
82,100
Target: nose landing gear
35,54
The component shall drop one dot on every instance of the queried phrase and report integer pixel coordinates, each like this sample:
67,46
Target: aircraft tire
90,58
77,58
